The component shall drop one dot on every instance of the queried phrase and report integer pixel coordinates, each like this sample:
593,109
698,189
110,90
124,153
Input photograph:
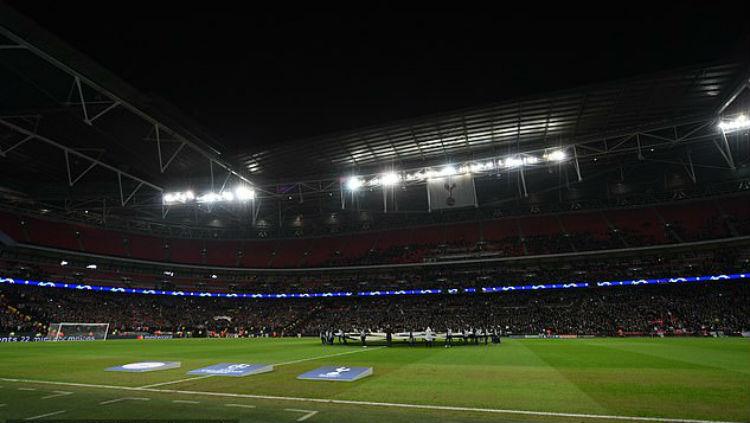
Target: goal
68,331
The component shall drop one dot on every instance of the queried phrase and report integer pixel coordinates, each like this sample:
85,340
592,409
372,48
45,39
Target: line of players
465,337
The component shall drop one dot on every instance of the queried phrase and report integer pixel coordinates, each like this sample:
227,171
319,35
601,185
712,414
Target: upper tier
511,236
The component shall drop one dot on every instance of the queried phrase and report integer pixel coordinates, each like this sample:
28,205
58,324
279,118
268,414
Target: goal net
77,331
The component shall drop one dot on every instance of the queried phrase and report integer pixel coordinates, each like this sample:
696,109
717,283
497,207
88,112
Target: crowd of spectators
675,309
602,311
639,264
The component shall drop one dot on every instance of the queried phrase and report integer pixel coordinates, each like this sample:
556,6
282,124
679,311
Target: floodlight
91,266
481,167
243,193
227,196
448,171
556,156
390,178
354,183
740,122
178,197
513,162
530,160
209,197
63,263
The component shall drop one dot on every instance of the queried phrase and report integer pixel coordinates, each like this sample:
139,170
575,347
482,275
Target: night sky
255,78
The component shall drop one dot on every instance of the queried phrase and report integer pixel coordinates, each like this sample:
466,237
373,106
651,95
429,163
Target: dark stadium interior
649,171
600,190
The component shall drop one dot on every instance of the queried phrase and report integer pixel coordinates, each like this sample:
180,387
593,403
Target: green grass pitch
703,379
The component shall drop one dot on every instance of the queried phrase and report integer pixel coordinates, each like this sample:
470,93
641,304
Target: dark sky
255,78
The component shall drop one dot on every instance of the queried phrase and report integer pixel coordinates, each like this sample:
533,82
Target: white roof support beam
81,80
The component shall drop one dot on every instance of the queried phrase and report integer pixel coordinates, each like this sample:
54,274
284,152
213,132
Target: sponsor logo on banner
232,369
145,366
337,373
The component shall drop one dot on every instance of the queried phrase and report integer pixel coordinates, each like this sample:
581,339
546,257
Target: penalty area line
367,403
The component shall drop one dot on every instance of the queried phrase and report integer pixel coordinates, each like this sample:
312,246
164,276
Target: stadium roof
76,138
560,118
61,113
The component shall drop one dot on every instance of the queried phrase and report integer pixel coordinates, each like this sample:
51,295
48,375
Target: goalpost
73,331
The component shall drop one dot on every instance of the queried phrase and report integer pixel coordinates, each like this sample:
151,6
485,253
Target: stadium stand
504,237
642,311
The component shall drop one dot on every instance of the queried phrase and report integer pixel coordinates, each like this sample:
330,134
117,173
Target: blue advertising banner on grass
232,369
337,373
145,366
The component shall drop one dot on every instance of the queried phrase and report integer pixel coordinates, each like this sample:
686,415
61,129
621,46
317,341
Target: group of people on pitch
465,336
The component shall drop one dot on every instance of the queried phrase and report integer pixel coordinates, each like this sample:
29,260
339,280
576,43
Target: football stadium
573,254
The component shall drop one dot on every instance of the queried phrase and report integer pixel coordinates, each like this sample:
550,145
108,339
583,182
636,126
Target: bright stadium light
178,197
556,156
63,263
390,179
243,193
481,167
530,160
354,183
739,123
227,196
512,162
91,266
448,170
209,197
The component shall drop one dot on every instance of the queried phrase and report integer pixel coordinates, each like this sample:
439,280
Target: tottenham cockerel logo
450,201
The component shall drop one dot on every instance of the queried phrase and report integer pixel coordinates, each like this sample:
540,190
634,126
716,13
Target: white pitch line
367,403
112,401
239,405
27,389
185,402
309,414
326,356
2,405
58,394
175,381
54,413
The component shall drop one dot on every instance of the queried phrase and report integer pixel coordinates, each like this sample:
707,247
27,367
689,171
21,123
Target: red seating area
643,222
257,253
592,223
539,225
146,247
185,251
359,245
43,232
102,242
323,249
501,229
512,236
290,253
222,253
